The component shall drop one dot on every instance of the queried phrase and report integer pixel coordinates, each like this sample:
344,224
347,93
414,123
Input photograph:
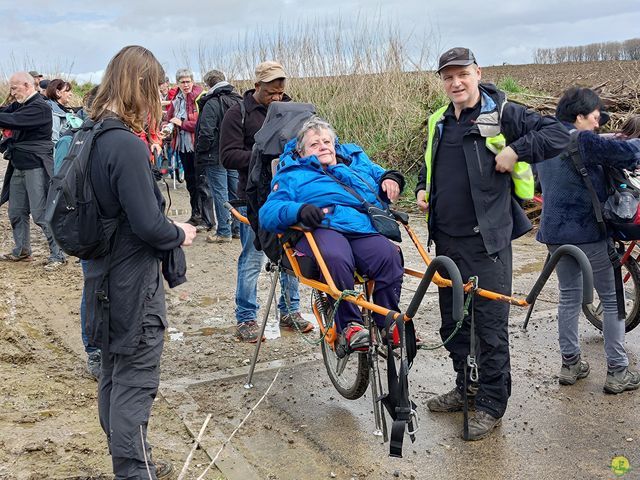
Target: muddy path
304,429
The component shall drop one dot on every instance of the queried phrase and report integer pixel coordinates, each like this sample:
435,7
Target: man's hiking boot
218,239
295,322
51,265
11,257
164,468
248,331
94,364
452,401
618,382
481,424
570,374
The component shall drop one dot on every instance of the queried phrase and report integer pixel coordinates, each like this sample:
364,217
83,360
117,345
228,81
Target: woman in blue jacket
568,218
307,188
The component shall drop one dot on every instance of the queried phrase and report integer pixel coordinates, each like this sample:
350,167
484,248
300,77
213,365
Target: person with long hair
131,274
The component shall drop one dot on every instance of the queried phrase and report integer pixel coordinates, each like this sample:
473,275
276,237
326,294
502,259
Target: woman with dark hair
131,274
58,94
568,217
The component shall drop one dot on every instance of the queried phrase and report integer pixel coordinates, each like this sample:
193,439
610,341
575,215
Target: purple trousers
373,256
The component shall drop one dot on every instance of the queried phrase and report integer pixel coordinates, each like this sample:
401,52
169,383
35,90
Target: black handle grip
582,261
456,281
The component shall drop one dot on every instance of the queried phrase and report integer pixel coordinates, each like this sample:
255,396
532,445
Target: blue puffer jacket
567,210
303,180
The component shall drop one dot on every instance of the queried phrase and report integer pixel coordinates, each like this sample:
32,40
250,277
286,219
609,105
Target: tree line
593,52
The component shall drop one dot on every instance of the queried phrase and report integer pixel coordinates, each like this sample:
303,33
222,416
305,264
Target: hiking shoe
218,239
452,401
618,382
248,331
356,337
295,322
570,374
52,265
203,227
396,337
94,364
195,221
164,468
235,235
481,425
11,257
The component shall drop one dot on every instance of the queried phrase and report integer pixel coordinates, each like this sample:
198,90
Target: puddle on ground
271,332
534,267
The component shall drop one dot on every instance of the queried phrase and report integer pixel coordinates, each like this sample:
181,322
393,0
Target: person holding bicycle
322,184
568,217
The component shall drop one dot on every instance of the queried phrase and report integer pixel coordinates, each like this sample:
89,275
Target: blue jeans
224,185
249,265
570,283
83,316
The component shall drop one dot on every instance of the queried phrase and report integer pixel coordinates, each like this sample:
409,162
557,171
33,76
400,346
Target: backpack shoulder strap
574,153
243,113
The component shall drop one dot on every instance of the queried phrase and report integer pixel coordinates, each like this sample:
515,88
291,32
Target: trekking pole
530,311
272,292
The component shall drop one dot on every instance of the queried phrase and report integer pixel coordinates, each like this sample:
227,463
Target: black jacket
236,137
533,137
212,108
123,183
30,144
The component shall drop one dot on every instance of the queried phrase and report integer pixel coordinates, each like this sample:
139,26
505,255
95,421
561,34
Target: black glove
310,215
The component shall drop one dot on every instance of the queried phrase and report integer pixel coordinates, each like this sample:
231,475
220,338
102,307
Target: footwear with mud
295,322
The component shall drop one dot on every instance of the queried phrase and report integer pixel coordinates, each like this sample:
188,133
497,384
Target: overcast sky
80,36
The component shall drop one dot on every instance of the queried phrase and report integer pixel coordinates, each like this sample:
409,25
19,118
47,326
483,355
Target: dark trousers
200,197
491,319
128,386
373,256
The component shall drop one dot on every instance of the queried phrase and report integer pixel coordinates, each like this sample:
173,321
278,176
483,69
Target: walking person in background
568,217
124,188
58,94
240,124
222,182
30,154
183,116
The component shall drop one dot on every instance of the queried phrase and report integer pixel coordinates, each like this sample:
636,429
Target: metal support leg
272,292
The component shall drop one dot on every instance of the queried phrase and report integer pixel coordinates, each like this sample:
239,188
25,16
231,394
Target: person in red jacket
183,116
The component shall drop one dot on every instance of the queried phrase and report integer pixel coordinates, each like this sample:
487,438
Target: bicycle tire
594,312
349,375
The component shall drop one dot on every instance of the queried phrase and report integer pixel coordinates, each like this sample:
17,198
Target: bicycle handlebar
585,268
456,283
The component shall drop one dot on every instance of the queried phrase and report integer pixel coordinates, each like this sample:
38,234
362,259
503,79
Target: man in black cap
468,191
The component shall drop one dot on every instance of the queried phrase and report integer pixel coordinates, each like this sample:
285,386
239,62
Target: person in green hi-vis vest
470,188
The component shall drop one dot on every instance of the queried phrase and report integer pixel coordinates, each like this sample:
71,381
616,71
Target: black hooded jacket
212,107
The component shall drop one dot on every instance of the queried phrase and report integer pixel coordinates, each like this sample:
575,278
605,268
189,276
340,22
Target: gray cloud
81,36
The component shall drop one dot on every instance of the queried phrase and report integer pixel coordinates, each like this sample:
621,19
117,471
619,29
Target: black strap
574,153
397,401
471,358
615,257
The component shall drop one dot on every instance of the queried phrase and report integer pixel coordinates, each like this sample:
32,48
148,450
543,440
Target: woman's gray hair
316,124
184,72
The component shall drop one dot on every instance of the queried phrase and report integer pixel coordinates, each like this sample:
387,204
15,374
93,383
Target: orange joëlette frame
330,288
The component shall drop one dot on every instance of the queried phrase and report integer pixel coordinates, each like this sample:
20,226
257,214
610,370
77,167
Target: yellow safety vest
521,176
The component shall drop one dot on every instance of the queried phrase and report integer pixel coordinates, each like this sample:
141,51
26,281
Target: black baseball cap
456,56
